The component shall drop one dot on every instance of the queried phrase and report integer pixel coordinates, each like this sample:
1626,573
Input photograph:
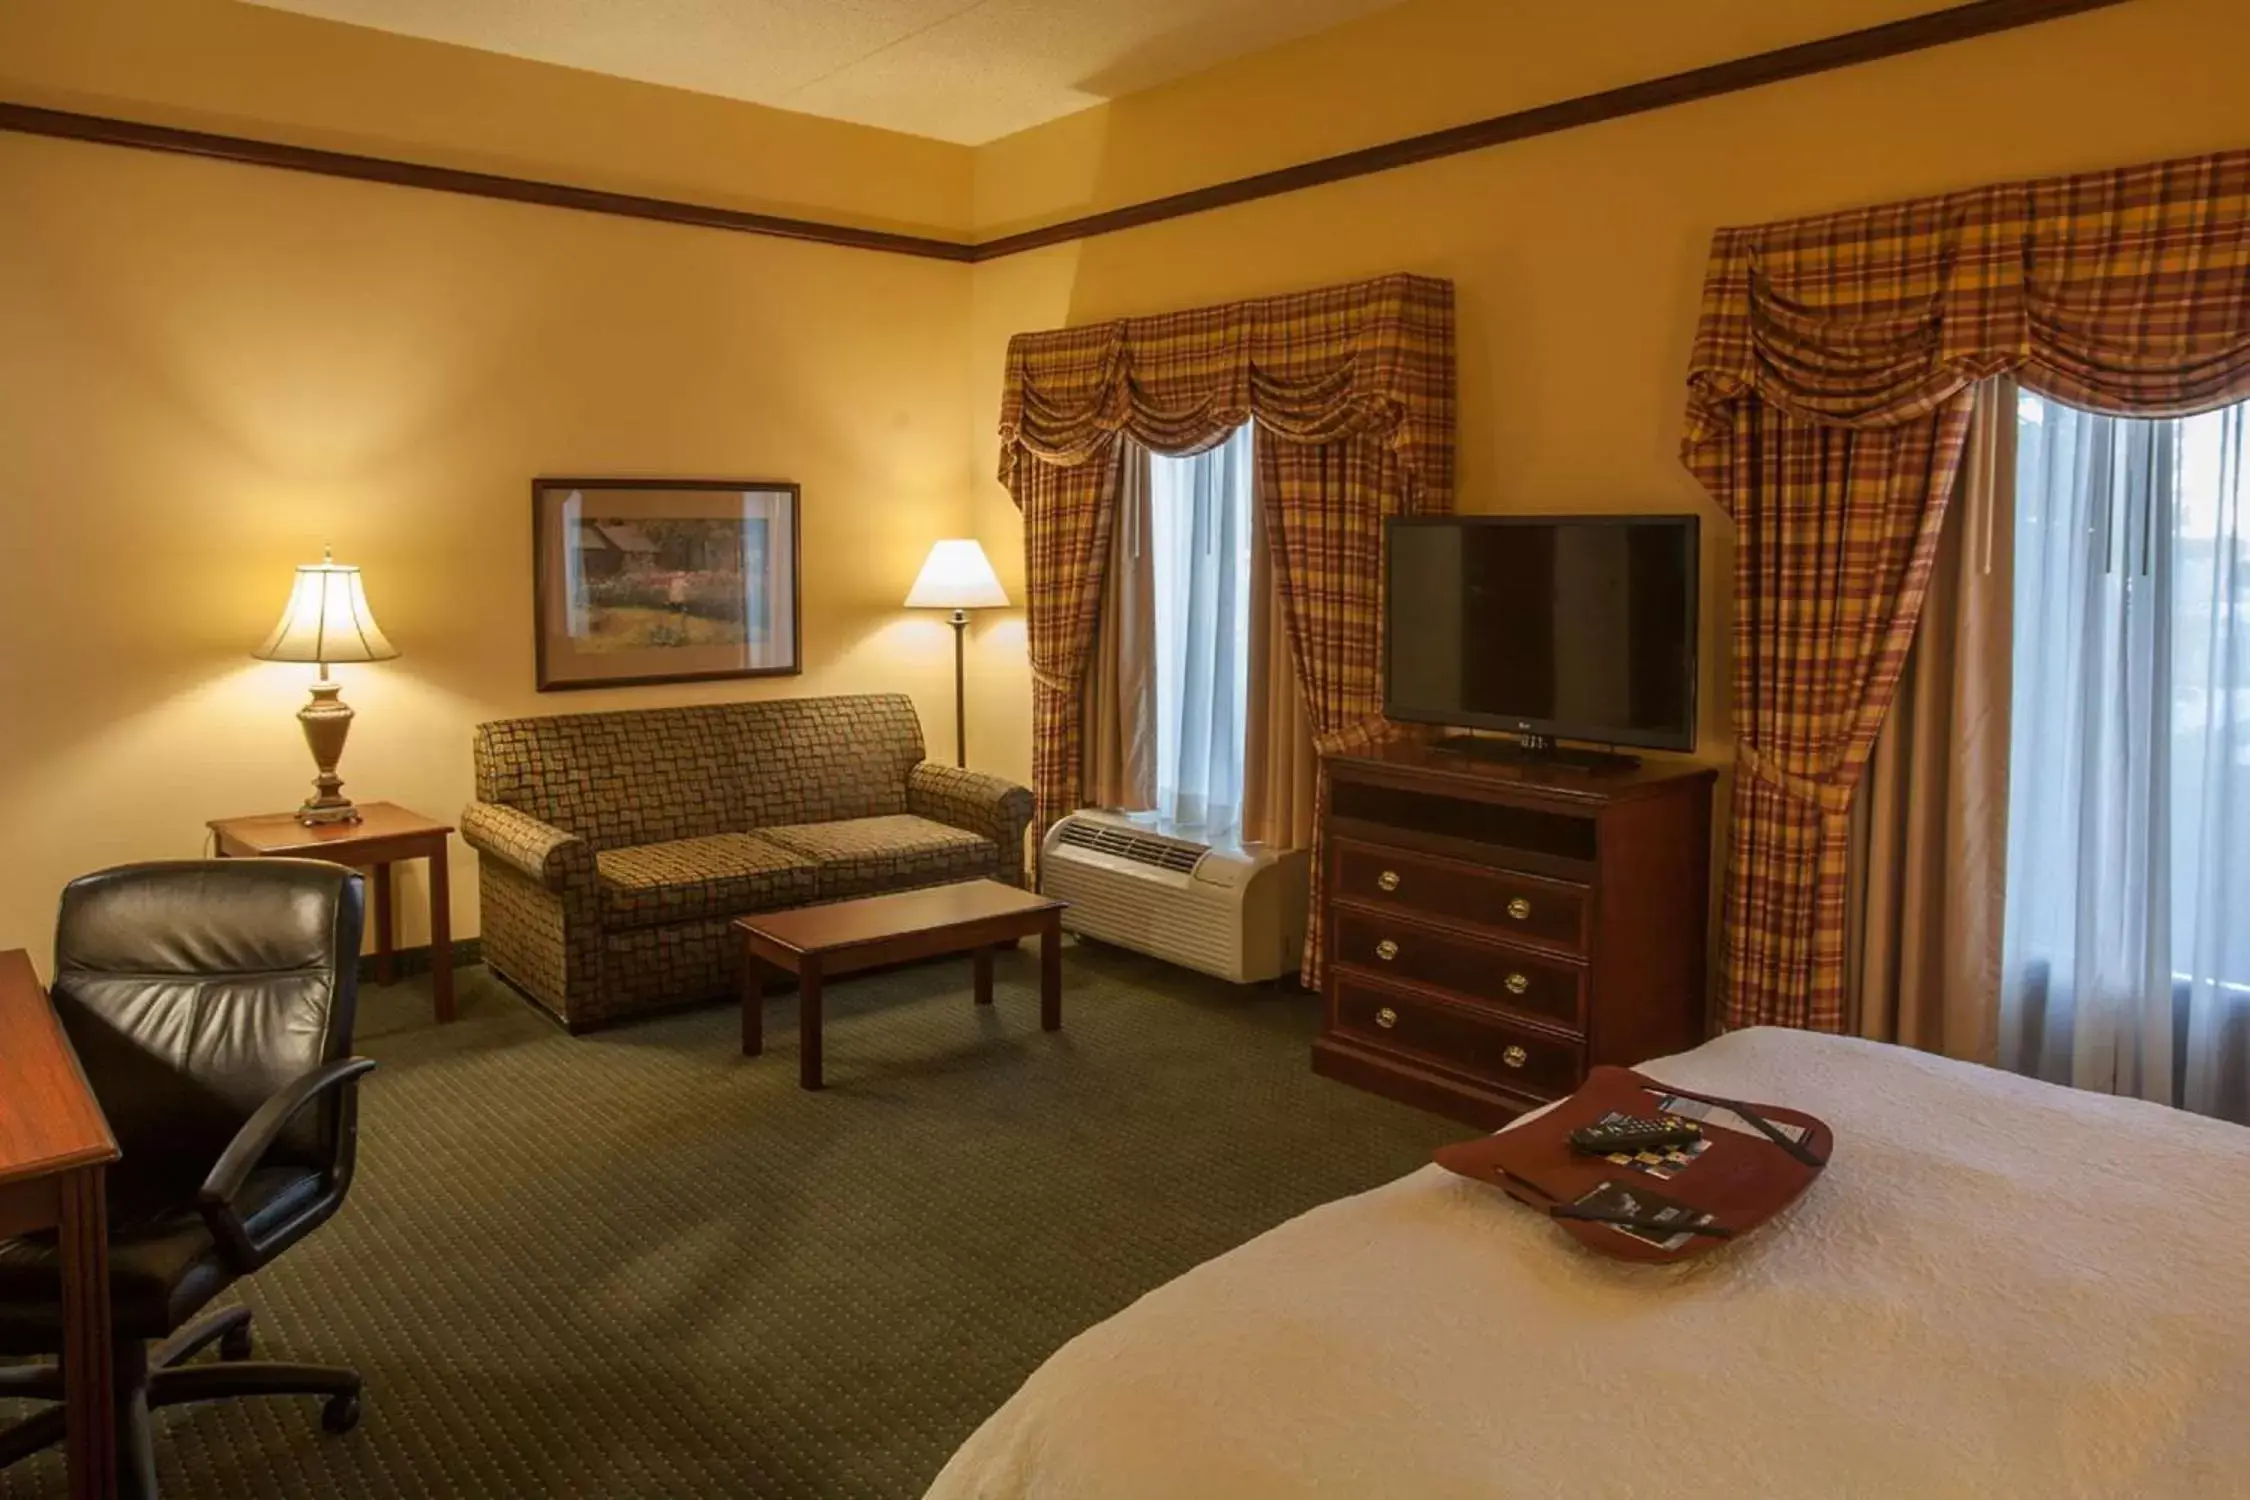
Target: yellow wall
1578,257
207,371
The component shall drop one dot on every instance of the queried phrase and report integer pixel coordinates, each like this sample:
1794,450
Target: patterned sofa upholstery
615,848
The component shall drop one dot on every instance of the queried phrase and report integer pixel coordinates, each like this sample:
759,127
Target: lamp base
326,721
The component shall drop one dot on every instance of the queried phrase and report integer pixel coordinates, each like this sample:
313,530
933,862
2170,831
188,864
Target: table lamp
326,620
958,577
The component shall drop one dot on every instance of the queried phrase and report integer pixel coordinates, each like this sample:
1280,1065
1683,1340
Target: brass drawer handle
1515,1057
1386,950
1519,908
1387,881
1386,1018
1517,983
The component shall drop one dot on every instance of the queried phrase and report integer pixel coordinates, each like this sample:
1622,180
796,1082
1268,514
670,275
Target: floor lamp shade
326,620
959,577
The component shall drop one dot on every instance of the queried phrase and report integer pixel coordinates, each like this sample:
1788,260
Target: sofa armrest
998,809
555,858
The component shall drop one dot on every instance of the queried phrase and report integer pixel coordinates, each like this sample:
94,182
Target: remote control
1633,1135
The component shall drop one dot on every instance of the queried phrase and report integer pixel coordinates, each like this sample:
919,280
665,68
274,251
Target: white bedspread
1998,1288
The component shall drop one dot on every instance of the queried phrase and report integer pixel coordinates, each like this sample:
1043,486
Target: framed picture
663,580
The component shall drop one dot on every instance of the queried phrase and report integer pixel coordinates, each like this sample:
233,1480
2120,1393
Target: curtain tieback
1358,735
1053,682
1833,798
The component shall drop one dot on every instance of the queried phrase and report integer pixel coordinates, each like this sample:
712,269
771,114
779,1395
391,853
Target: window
1200,527
2126,947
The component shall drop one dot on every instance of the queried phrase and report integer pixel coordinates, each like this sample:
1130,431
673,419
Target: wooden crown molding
1871,44
25,119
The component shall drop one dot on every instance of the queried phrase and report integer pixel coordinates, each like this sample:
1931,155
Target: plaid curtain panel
1352,390
1829,399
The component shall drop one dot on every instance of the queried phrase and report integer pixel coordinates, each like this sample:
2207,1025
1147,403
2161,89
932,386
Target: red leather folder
1754,1160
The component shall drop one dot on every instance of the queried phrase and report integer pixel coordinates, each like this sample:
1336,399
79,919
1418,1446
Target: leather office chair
211,1005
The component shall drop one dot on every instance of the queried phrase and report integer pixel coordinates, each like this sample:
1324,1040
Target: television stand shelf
1496,928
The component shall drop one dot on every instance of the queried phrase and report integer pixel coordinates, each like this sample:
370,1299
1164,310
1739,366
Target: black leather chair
211,1004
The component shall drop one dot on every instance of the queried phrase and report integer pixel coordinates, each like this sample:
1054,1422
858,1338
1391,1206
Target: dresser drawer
1460,1038
1548,990
1545,911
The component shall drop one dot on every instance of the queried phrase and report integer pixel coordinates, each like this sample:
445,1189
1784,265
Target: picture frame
644,581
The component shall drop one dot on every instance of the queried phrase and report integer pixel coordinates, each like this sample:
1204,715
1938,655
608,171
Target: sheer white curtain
1199,534
2126,948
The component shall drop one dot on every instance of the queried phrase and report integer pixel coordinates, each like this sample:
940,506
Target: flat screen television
1555,627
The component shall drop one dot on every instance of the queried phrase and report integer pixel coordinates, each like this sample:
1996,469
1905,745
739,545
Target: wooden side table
384,834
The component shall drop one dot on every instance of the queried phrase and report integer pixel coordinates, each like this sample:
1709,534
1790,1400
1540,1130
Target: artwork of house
652,580
607,549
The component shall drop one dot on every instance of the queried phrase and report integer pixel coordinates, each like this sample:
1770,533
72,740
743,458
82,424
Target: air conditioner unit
1234,911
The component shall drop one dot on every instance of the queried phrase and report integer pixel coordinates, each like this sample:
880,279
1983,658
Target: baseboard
412,961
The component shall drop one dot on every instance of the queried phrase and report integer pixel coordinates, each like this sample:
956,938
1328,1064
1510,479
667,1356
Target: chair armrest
216,1199
554,857
971,800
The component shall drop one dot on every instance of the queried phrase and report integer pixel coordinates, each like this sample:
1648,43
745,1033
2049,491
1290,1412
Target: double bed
1998,1288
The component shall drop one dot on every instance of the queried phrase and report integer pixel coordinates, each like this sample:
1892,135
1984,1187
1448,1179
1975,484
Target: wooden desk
384,834
54,1147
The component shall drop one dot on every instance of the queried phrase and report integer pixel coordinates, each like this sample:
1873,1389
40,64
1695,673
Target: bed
1998,1288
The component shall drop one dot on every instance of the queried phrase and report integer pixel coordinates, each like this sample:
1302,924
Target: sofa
614,849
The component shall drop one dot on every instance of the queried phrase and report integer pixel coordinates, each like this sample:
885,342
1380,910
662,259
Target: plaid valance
2124,291
1314,367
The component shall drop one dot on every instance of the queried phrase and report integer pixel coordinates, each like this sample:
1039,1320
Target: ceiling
959,70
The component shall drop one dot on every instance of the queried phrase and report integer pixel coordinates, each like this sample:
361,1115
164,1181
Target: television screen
1577,627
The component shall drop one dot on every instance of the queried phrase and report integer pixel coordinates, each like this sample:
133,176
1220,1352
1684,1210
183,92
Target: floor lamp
957,576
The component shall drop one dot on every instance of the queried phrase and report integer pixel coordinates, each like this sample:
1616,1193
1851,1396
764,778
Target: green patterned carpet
638,1264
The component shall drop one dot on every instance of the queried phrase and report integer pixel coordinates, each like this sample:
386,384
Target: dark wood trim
1959,23
1873,44
25,119
796,666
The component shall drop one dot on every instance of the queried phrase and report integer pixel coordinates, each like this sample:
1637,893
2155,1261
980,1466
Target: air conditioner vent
1126,843
1234,912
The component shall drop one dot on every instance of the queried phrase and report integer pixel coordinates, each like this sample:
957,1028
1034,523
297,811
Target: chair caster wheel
235,1343
340,1414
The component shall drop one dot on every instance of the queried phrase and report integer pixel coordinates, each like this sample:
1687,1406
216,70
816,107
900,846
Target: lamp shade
957,576
326,619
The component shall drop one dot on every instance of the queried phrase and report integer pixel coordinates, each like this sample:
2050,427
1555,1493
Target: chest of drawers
1494,930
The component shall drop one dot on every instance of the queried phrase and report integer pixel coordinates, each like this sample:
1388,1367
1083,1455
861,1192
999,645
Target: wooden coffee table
814,942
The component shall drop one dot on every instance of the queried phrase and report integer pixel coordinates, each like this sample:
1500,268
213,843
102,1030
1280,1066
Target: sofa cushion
859,856
620,779
721,875
815,760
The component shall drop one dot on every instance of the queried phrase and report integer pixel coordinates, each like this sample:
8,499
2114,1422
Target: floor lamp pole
960,624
